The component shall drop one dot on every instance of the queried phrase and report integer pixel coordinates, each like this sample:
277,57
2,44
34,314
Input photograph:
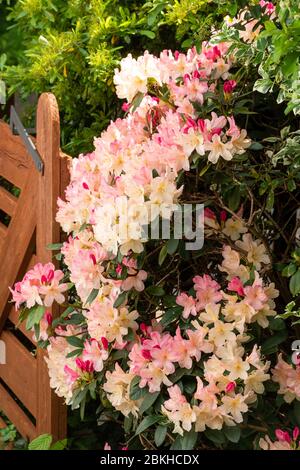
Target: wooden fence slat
8,202
14,161
16,415
20,372
20,232
14,318
3,230
22,244
52,414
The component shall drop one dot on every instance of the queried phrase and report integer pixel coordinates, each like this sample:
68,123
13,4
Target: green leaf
289,270
75,341
54,246
297,411
74,353
92,296
276,324
171,315
154,13
146,423
233,433
256,146
78,396
135,391
295,283
120,300
162,254
263,85
42,442
172,245
127,424
59,445
271,344
149,34
234,198
215,436
35,315
177,444
291,185
270,201
189,440
137,101
148,401
178,374
155,290
232,9
160,435
187,43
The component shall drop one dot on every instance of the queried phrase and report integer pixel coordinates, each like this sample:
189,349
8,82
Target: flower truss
190,359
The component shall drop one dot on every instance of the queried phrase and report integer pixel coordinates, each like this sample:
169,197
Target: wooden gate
25,395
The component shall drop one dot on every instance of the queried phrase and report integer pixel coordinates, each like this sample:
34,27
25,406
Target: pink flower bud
229,86
104,343
125,107
201,125
236,285
119,269
296,433
86,366
282,435
43,279
49,318
93,258
230,387
50,275
186,78
85,186
223,216
209,214
146,354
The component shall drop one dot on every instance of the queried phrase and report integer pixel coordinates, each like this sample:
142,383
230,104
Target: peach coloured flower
135,282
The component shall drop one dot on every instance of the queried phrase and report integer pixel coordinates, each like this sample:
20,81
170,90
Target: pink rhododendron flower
95,354
188,303
135,281
236,285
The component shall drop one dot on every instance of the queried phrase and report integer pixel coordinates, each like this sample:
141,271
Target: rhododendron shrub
181,345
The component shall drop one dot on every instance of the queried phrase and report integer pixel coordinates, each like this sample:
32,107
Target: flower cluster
288,377
284,441
201,328
130,177
41,285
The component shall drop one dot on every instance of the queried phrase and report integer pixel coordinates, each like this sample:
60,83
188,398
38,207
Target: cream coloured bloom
255,250
133,75
238,369
254,381
234,227
235,406
217,149
221,332
238,311
231,265
240,142
211,314
117,387
57,351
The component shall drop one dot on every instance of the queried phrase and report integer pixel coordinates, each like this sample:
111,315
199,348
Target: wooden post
52,414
